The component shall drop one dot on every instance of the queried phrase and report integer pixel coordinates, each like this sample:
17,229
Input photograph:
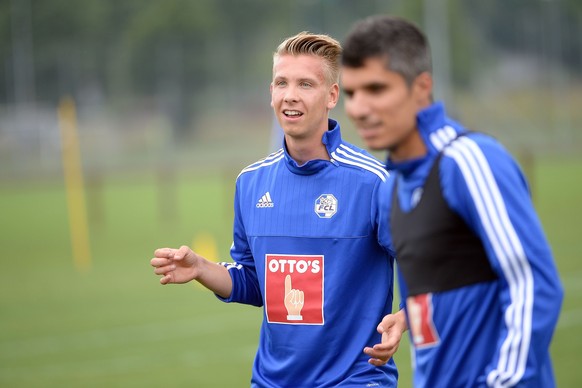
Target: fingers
182,252
163,264
380,353
385,349
163,270
387,322
379,356
391,331
377,362
164,267
376,358
296,297
164,256
381,350
174,265
166,279
165,253
288,287
170,253
160,262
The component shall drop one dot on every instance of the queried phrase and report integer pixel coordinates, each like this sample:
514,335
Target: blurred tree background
184,77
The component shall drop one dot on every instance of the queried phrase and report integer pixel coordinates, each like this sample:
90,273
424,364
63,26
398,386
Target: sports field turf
114,325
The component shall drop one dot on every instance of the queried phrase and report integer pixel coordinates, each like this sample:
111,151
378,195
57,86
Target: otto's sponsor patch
294,289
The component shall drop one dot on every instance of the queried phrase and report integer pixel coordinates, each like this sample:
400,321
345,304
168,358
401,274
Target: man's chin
374,145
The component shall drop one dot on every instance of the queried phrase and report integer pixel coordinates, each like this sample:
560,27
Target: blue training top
311,245
498,333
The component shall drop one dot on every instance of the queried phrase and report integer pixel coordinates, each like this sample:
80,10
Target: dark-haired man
481,287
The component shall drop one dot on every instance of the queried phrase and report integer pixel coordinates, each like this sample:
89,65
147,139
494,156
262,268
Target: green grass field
114,325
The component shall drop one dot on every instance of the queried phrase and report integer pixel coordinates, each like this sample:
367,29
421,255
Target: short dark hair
402,45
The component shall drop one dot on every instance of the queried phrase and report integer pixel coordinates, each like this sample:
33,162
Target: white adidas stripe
514,351
374,161
441,137
510,253
353,158
360,160
271,159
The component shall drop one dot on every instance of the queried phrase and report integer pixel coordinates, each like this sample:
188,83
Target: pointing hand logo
293,301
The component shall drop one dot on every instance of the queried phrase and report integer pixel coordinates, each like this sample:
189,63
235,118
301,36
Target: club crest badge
325,206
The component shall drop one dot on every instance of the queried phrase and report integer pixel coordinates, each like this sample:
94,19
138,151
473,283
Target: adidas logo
265,201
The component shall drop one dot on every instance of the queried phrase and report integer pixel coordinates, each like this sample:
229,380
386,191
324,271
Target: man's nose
291,94
356,106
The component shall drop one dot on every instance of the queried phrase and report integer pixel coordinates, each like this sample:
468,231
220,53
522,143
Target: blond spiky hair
320,45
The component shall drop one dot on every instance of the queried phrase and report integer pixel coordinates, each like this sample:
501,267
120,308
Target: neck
306,149
411,147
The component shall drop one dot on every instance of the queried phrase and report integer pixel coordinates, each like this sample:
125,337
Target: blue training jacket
311,245
494,334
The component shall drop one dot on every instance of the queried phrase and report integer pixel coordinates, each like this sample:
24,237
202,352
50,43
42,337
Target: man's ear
333,96
422,87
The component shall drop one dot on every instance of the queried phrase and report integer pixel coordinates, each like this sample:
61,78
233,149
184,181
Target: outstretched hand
391,328
175,265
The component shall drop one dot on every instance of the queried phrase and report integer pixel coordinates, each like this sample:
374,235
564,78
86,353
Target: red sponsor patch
419,309
294,289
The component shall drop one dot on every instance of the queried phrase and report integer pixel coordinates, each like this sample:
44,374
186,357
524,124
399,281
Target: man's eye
376,89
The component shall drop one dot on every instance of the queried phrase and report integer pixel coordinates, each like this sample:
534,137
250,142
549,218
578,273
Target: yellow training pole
205,246
73,174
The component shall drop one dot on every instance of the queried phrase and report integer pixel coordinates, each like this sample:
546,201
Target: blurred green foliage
182,50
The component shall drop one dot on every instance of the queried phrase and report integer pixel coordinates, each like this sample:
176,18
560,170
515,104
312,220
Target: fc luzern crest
326,206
